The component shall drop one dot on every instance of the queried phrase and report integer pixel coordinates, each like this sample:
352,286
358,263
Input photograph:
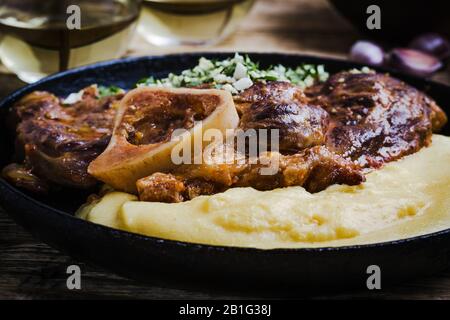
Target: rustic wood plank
30,269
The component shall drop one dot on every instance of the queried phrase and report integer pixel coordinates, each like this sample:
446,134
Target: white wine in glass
190,22
35,40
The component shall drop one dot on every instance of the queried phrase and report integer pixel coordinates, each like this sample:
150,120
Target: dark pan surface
164,261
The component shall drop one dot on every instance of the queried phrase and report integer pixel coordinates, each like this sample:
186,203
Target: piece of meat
57,141
315,169
161,187
154,117
375,118
279,91
22,177
284,107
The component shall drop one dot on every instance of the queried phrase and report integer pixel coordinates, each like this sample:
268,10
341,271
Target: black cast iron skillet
152,259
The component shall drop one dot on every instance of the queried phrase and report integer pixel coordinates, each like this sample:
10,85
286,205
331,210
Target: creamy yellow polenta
405,198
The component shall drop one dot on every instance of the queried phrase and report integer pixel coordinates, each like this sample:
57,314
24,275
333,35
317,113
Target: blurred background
35,42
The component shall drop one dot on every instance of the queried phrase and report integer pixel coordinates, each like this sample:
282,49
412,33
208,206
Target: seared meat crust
274,91
282,106
376,118
57,141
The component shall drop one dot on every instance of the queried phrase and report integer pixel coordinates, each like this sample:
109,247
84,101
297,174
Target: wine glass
190,22
38,37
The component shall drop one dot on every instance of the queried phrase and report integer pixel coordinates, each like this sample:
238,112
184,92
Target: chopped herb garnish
104,91
237,74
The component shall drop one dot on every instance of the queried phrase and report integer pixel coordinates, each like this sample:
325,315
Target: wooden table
31,269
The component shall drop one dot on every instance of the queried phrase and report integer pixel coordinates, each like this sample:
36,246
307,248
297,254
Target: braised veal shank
332,132
55,142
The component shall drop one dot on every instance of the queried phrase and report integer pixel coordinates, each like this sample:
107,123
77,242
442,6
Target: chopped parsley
237,74
104,91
